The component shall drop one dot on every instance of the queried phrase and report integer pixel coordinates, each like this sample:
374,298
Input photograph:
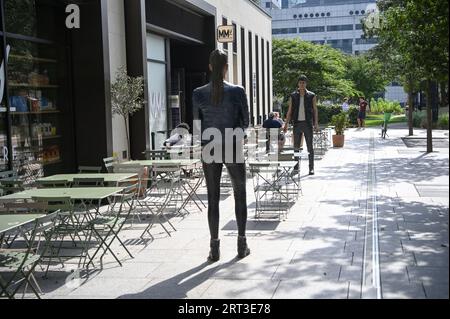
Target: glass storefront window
157,102
34,91
156,49
157,89
3,123
34,18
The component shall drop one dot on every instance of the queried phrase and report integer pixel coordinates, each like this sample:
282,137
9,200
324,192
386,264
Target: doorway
189,70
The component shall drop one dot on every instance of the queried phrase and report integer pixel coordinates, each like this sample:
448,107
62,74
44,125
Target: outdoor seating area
77,219
275,171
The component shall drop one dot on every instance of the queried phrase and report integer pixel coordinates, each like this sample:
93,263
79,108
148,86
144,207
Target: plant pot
338,140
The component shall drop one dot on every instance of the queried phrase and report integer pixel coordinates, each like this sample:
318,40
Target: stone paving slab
316,252
436,290
308,289
242,289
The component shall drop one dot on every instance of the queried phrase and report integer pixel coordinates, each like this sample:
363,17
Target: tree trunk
429,118
443,95
411,109
128,138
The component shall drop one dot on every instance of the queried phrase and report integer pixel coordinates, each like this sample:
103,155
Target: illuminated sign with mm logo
225,34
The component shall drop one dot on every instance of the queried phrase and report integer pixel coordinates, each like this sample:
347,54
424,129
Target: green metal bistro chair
109,163
52,184
386,118
192,179
88,205
88,182
19,208
10,182
271,201
22,263
72,224
165,192
89,169
142,180
156,155
107,228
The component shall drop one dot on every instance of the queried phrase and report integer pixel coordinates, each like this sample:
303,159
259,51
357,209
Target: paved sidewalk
320,251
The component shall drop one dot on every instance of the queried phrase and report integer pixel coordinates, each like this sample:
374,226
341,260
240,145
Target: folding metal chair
19,208
156,155
11,186
72,224
89,169
191,180
88,182
320,142
141,180
52,184
270,199
23,262
109,163
107,228
164,192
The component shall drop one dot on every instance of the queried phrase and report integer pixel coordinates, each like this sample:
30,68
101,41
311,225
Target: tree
127,97
367,74
324,66
415,33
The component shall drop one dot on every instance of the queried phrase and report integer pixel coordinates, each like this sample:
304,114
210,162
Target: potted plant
340,124
127,97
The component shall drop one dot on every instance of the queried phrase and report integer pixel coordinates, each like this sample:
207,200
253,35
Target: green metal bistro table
87,193
109,178
76,194
185,164
9,222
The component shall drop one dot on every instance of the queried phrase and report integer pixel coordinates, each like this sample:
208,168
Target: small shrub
418,118
381,106
443,122
353,115
326,112
324,115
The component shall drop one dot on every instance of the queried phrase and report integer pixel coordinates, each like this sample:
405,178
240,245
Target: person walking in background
304,114
345,105
220,105
363,108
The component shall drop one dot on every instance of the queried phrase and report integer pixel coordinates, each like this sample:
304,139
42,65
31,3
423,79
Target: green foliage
419,118
382,106
353,115
326,112
367,73
339,122
443,121
127,94
127,97
413,38
324,66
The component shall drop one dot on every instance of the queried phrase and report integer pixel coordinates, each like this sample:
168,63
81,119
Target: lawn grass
377,120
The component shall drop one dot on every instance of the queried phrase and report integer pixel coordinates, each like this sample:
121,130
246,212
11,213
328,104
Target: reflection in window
35,18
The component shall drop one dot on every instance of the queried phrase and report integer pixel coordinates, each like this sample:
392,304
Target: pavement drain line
371,278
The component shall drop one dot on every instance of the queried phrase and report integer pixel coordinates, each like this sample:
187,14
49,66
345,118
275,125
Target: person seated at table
273,122
180,136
